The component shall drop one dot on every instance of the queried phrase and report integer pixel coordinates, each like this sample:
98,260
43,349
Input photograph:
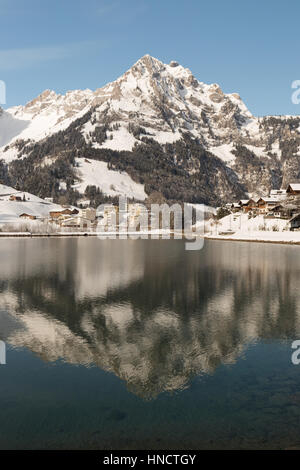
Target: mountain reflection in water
150,312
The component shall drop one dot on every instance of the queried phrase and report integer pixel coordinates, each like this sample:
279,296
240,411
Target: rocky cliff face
168,130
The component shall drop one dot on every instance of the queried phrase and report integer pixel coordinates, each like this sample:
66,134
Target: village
25,212
266,218
279,211
279,204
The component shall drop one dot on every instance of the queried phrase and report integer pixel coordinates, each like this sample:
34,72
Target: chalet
279,212
75,222
291,210
293,189
295,222
250,206
57,214
83,203
63,213
243,204
15,198
265,204
278,193
235,207
27,216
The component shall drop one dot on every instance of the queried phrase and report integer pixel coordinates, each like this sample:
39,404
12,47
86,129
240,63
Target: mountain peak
147,63
149,58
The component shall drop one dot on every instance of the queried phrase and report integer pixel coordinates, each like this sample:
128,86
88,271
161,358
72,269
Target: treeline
182,171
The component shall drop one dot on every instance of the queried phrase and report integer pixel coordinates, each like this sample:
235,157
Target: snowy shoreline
285,238
109,235
241,227
45,235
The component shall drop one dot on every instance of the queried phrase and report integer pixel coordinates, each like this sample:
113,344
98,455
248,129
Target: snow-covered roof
269,199
278,192
294,186
243,202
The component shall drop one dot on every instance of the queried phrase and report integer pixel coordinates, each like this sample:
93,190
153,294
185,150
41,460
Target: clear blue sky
249,47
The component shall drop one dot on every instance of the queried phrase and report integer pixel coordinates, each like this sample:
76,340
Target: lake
139,344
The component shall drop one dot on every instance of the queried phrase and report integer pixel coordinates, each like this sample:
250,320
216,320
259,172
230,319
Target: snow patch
121,140
112,183
224,152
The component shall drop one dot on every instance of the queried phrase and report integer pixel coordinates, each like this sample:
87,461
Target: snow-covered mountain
162,112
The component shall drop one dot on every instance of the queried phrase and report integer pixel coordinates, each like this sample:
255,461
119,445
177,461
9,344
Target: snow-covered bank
243,224
240,227
266,237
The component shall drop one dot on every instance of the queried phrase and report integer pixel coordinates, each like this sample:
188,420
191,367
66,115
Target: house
15,198
83,203
137,216
57,214
261,205
250,205
235,207
247,205
27,216
75,222
63,213
108,217
278,211
107,211
265,204
279,193
293,189
243,203
291,210
295,222
89,214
